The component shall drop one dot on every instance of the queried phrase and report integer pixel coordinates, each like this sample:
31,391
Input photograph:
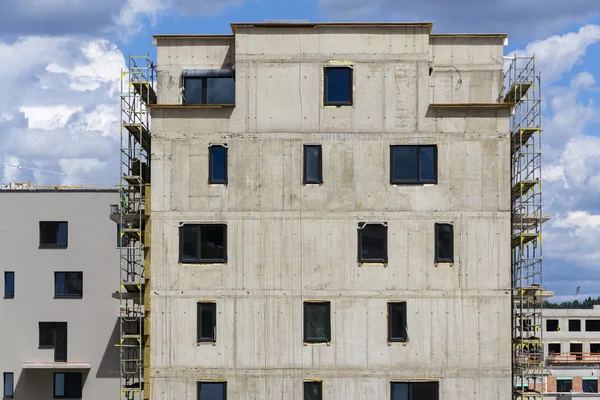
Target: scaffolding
132,215
523,84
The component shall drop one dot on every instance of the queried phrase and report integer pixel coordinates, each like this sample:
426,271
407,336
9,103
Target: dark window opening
68,284
209,90
415,390
317,323
595,348
53,234
53,335
372,243
552,325
313,164
212,390
207,322
397,322
590,385
575,325
313,390
444,243
217,164
68,385
592,325
9,385
338,86
203,244
9,284
413,164
576,350
564,385
553,348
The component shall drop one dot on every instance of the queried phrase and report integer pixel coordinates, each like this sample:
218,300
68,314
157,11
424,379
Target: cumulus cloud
64,114
527,17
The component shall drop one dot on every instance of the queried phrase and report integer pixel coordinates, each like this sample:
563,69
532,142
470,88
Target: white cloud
48,117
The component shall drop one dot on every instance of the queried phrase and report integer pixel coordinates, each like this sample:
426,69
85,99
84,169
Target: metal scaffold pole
524,92
132,215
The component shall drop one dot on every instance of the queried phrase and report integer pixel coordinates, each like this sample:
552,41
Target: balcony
573,358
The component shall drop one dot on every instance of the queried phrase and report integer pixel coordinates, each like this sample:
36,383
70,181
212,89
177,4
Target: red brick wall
577,384
550,384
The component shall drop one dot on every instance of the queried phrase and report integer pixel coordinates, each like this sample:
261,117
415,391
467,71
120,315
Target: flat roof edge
471,105
475,35
283,24
192,36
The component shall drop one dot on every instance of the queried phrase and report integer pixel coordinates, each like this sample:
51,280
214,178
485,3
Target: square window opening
212,390
372,243
68,385
595,348
53,234
9,385
564,385
576,350
313,390
338,86
397,322
552,325
575,325
317,322
553,348
415,391
313,165
444,243
413,164
590,385
207,322
217,164
68,285
592,325
217,88
9,284
203,243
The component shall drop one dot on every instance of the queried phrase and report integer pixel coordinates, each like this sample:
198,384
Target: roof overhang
56,365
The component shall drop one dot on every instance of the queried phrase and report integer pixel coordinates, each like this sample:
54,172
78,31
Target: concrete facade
288,243
578,366
92,331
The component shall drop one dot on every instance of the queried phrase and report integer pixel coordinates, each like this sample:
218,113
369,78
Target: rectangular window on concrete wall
68,385
413,164
592,325
415,391
595,348
553,348
564,385
397,322
372,242
9,385
317,322
552,325
313,390
212,390
313,168
9,284
217,164
444,243
209,87
574,325
338,86
68,285
53,234
203,243
207,322
589,384
53,335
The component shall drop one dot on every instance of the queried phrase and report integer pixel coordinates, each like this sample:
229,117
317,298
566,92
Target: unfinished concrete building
330,216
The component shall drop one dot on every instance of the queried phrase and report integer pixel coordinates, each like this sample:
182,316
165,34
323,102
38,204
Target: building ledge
189,106
56,365
471,105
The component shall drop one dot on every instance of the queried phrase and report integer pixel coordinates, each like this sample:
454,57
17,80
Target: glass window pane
444,242
207,321
404,164
75,284
59,385
46,334
400,391
193,90
212,242
339,88
424,390
218,160
60,344
312,159
189,248
60,287
397,318
313,391
48,233
9,284
220,90
427,161
317,321
590,386
8,384
62,234
373,243
73,384
211,391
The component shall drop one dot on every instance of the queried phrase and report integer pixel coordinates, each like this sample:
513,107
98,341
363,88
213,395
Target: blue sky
62,60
